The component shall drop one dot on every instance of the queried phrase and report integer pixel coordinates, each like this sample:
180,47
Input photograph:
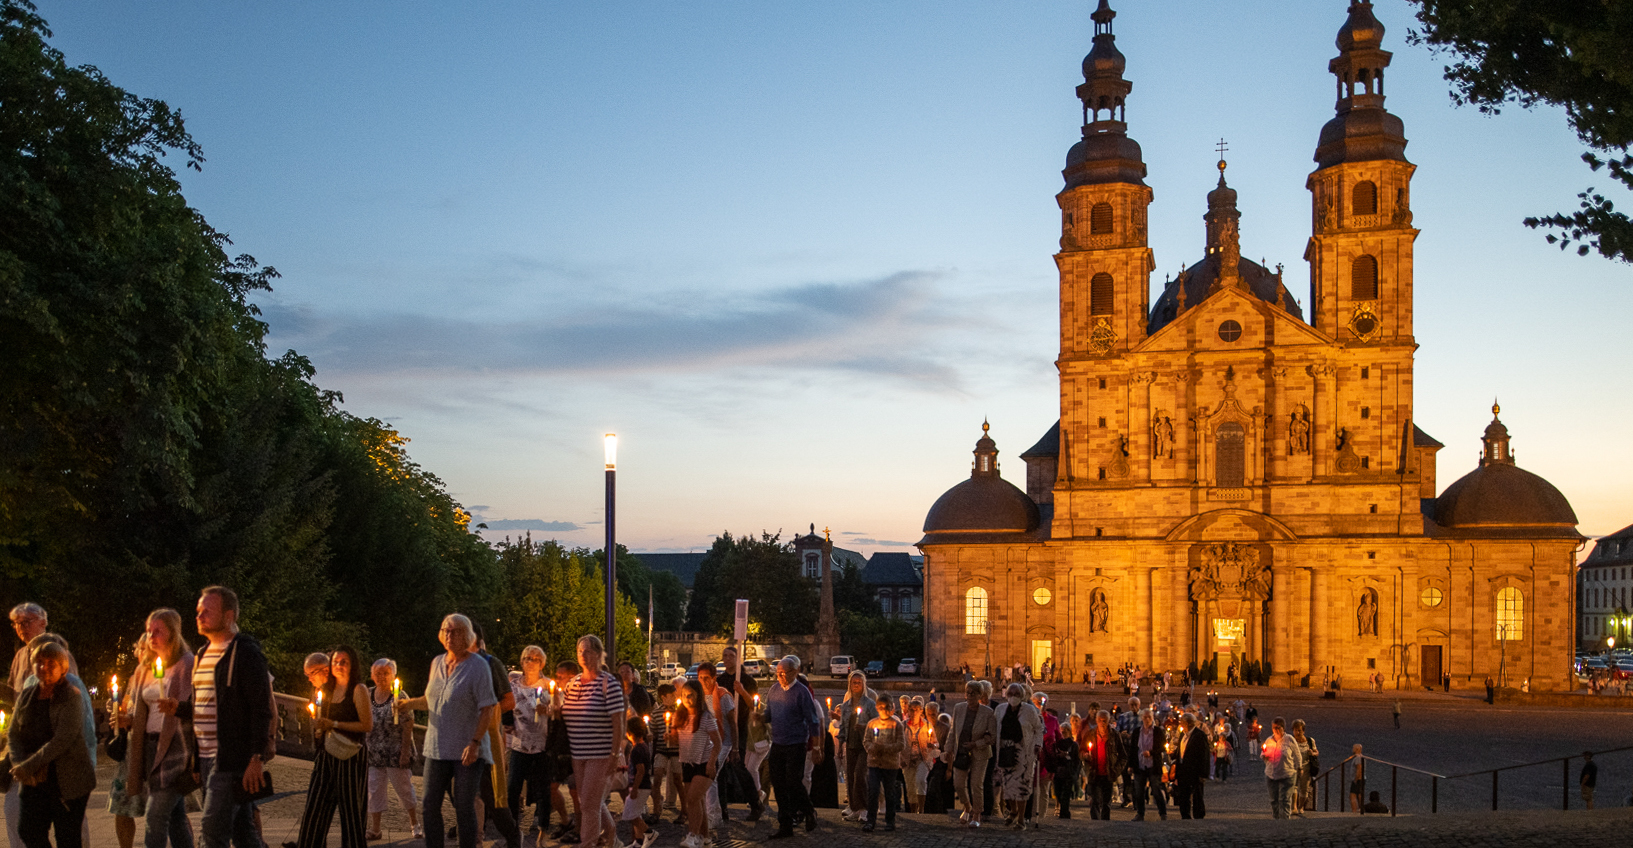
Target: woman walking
126,807
699,735
161,766
47,753
339,780
593,709
390,752
1020,734
459,701
529,762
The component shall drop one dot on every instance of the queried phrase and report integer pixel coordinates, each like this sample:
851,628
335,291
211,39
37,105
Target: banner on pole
740,626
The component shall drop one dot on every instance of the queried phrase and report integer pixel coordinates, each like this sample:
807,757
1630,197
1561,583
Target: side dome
1499,496
984,505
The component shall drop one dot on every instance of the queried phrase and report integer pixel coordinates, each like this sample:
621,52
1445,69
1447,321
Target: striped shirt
204,699
694,744
588,708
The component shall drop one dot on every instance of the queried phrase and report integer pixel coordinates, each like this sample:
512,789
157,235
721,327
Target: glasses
24,621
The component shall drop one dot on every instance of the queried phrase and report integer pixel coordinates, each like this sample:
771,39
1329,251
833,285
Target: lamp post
611,445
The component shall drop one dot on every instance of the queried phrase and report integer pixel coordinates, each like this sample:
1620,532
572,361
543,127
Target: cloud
873,326
882,543
531,524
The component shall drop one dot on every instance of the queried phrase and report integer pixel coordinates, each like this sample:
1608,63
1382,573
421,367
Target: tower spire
1223,225
1497,450
1106,154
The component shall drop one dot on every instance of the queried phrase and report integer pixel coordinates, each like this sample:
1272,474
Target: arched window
1102,295
1230,455
1510,613
975,611
1100,219
1364,198
1363,281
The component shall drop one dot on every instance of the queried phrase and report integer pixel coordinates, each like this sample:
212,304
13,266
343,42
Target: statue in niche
1298,432
1366,613
1099,611
1403,213
1162,435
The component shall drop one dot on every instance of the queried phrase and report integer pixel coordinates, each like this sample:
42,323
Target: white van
841,666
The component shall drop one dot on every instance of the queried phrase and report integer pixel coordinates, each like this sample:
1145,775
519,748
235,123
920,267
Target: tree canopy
1576,54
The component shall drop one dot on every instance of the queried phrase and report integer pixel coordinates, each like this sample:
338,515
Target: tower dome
1362,130
1105,154
982,506
1500,496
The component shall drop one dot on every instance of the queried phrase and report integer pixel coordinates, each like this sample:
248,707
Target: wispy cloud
531,524
874,326
882,543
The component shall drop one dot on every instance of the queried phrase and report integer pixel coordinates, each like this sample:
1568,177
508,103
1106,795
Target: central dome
1198,280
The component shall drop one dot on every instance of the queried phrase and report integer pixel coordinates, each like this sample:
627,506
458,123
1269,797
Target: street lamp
611,446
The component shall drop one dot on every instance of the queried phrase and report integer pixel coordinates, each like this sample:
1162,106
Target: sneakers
419,831
650,838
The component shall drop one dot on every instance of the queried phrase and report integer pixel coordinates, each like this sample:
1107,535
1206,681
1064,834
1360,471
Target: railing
1325,779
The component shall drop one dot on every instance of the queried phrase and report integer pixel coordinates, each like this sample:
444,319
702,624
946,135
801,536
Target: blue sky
794,253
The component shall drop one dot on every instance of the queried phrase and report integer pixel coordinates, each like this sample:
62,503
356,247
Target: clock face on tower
1364,323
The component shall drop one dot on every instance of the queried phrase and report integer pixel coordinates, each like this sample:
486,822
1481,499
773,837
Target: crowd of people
562,740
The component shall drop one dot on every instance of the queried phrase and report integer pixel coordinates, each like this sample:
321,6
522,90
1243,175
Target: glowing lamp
611,445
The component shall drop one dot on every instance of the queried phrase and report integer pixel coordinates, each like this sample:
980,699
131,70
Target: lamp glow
612,450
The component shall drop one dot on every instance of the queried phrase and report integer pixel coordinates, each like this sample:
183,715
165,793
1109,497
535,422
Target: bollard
1565,787
1394,772
1494,790
1434,794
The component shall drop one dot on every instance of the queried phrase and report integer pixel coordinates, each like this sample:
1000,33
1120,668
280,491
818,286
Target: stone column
1184,645
1281,601
1319,653
1142,616
1323,419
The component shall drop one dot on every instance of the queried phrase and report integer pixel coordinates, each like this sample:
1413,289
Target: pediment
1262,325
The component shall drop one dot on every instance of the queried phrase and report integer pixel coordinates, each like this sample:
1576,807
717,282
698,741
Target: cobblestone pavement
1442,735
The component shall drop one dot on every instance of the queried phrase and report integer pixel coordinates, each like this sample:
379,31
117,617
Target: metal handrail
1435,778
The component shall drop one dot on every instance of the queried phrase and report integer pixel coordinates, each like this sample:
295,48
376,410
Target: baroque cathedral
1232,482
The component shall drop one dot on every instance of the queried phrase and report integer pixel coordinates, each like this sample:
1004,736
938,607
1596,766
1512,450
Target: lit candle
668,718
313,709
116,687
2,720
397,688
158,667
830,703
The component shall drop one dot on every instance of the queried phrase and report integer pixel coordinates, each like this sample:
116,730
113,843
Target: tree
668,594
1576,54
766,572
552,597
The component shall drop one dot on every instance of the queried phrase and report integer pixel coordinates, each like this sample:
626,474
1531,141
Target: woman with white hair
1020,735
460,701
390,751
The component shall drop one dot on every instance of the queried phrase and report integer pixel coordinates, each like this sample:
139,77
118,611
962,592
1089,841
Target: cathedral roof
1198,281
1049,445
1501,498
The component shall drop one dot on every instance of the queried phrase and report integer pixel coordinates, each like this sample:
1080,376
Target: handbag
119,746
963,760
341,747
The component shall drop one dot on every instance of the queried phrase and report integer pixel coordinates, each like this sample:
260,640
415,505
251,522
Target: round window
1230,331
1431,597
1042,596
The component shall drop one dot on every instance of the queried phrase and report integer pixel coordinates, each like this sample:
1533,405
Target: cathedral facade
1234,482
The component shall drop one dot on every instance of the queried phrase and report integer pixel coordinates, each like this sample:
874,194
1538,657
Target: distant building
683,566
1603,586
895,579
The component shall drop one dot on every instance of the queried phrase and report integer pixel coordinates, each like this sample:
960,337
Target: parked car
875,669
756,668
841,666
667,671
691,673
908,666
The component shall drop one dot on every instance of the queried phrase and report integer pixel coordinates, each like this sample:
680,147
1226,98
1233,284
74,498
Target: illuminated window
1431,597
975,610
1510,613
1042,596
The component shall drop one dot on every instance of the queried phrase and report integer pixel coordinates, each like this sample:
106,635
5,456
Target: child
884,742
640,784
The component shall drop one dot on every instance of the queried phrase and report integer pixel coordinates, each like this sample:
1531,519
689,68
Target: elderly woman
339,782
858,709
390,752
1020,736
460,701
593,708
968,747
47,753
529,763
161,764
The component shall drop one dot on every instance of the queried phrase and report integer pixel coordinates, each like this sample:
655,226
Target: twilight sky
794,253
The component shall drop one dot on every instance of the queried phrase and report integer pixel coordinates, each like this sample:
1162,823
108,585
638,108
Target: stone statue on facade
1298,432
1162,435
1366,614
1099,611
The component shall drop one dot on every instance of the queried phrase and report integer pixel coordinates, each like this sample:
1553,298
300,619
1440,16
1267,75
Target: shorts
1587,794
1358,787
634,804
691,770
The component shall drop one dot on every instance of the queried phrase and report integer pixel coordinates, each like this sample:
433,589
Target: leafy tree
1577,55
668,594
851,593
552,597
872,636
766,572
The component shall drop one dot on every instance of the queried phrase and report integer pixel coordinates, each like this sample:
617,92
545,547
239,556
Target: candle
830,703
2,720
668,717
158,667
116,687
397,688
313,709
320,697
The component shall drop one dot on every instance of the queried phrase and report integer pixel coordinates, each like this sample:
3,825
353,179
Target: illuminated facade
1230,481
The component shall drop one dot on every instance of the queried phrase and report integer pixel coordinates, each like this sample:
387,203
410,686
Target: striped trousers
336,786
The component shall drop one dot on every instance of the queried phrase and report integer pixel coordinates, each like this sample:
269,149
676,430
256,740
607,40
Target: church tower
1360,256
1104,262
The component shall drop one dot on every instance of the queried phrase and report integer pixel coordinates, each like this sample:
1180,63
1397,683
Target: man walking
1395,711
1589,778
1190,768
796,725
232,716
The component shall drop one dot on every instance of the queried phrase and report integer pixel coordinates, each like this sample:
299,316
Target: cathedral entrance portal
1230,582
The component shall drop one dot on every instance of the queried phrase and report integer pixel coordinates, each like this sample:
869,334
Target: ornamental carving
1101,336
1162,435
1346,462
1230,570
1119,459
